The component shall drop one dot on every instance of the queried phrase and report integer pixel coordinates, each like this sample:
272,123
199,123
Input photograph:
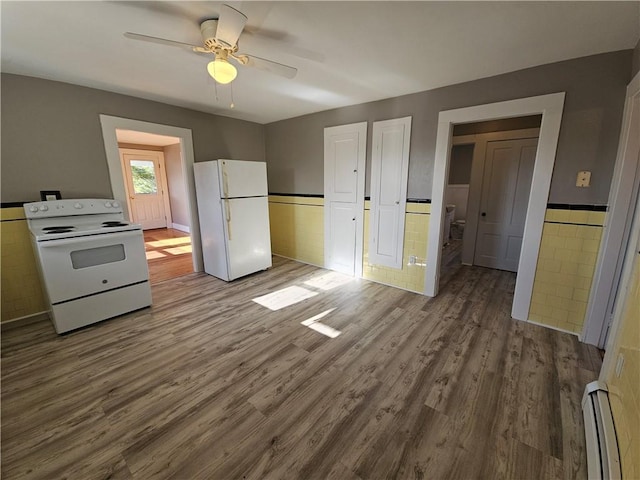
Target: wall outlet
619,365
583,179
412,260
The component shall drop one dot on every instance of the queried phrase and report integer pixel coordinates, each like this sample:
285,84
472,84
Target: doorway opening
488,187
550,107
156,199
173,247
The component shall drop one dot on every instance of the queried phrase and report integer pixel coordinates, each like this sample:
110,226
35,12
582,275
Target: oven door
81,266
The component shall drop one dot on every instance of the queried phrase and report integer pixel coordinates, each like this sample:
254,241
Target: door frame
551,107
362,128
628,256
109,126
622,197
162,174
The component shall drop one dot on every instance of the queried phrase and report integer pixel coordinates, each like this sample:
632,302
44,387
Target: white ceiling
371,50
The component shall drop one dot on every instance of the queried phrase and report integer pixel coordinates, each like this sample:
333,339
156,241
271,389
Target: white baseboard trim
182,228
394,286
26,320
297,260
549,326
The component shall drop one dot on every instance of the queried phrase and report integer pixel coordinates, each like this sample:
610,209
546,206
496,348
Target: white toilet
448,220
457,229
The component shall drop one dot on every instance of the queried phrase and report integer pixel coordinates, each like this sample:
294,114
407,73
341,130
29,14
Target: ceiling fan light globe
222,71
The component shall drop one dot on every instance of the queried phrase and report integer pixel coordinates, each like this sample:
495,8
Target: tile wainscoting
416,234
297,228
297,232
22,294
566,264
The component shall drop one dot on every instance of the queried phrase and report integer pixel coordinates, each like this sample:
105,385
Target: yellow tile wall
297,232
416,232
297,228
21,291
566,263
624,391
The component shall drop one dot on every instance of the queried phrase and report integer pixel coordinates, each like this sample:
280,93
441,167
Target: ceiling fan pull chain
215,87
232,104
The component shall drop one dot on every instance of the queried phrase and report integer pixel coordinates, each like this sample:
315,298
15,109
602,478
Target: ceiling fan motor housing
209,28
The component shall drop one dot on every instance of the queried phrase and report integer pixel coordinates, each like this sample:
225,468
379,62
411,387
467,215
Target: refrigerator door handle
225,181
227,211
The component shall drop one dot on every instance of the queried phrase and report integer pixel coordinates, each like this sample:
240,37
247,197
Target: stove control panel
64,208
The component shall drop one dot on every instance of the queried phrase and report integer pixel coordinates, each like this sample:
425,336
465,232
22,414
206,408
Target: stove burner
61,227
113,224
59,230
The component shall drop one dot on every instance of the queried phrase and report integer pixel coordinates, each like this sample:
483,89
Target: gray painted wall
595,90
460,164
52,139
177,192
635,62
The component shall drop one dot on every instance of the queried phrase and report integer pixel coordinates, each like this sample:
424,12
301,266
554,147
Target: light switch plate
584,179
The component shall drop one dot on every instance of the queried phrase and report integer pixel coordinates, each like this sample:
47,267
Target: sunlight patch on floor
328,281
320,327
169,242
178,250
284,297
153,254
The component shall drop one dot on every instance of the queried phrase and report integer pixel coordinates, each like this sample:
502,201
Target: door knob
484,214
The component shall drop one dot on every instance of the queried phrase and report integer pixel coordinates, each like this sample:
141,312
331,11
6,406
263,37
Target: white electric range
91,260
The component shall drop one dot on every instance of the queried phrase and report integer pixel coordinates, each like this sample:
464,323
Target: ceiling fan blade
280,42
267,65
162,41
230,25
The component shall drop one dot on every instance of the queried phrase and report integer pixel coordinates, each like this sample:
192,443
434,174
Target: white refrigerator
234,217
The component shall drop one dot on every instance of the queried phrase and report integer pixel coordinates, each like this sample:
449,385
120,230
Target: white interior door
389,175
503,206
146,184
344,168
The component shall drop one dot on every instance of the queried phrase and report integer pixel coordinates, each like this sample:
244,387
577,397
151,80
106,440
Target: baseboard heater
603,458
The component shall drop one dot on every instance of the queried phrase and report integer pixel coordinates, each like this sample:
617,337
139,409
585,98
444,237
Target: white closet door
344,167
389,175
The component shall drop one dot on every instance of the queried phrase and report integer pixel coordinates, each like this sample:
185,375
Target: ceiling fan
220,38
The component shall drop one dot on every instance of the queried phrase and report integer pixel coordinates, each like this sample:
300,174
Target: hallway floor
168,254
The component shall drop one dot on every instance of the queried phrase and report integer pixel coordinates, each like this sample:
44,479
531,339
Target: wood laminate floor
168,254
210,384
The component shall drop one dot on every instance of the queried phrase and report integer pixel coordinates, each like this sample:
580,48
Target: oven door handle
75,240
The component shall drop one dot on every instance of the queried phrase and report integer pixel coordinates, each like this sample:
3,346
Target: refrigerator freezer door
239,178
248,236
